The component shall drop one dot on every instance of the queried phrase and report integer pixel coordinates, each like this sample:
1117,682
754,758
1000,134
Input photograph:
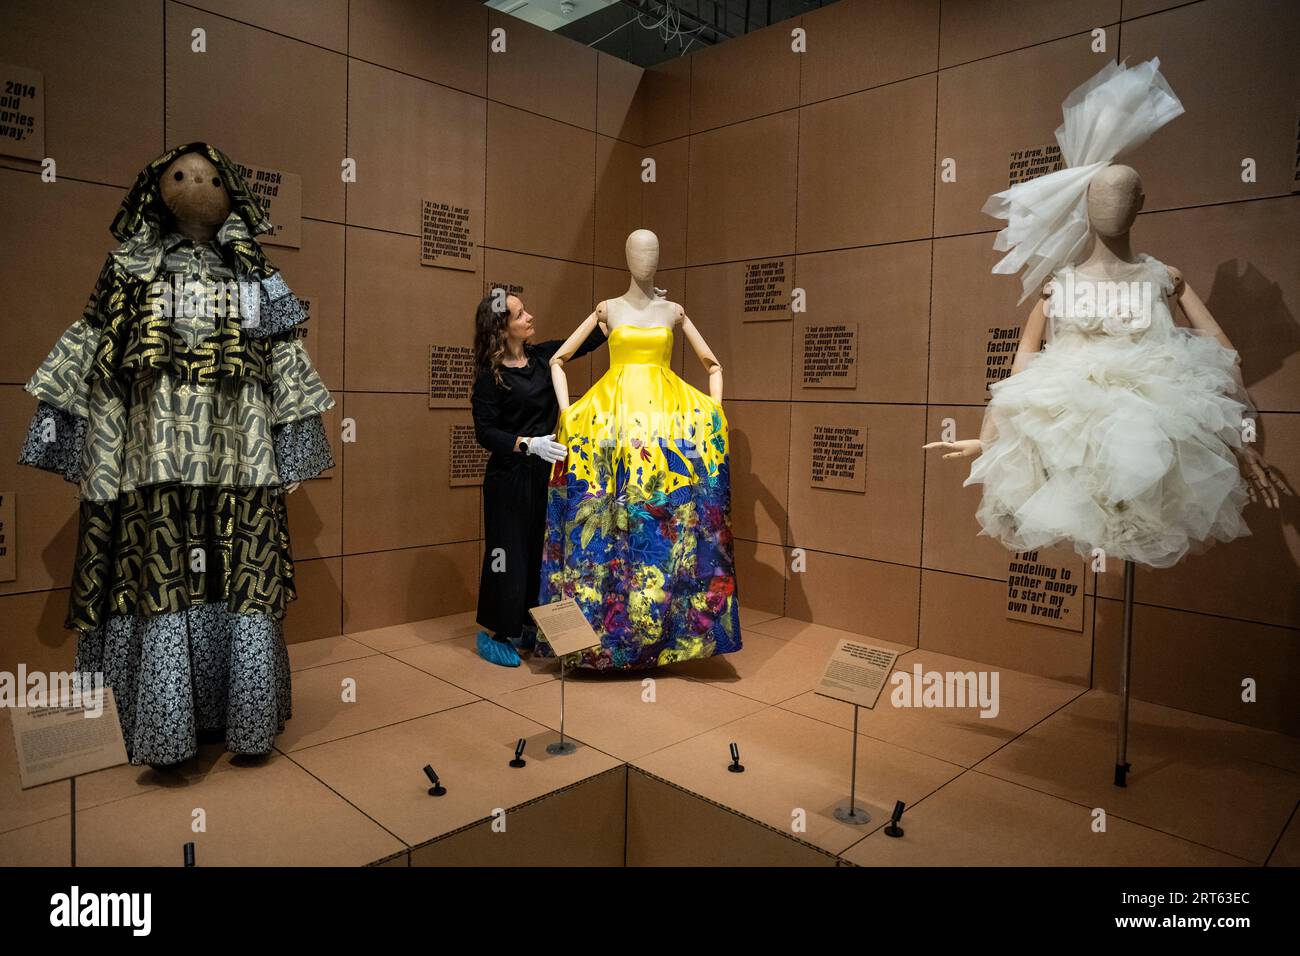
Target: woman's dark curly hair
490,321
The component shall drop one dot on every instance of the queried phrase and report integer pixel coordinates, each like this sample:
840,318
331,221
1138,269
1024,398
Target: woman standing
514,418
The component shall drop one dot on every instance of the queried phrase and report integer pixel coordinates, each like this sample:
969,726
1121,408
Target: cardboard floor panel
749,616
580,825
978,820
278,816
797,773
767,669
457,662
47,843
956,734
326,650
1189,777
703,833
469,747
415,633
613,712
1287,851
386,692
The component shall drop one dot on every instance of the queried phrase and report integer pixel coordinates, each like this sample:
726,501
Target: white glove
546,448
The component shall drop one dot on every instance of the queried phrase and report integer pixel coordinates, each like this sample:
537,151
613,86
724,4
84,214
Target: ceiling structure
646,32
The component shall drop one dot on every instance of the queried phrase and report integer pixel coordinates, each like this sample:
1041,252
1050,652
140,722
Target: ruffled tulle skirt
1117,444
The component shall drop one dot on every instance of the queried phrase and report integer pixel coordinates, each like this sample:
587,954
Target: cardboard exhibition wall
820,167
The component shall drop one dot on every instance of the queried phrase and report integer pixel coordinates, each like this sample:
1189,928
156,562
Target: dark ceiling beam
655,7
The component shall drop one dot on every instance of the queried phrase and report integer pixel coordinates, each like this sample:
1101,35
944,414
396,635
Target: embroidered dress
180,403
639,514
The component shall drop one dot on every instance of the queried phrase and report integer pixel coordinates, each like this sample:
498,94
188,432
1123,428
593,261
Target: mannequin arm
1260,480
707,358
559,381
1031,343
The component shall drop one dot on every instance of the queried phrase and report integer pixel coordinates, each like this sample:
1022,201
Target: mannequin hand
547,448
291,487
1261,481
963,448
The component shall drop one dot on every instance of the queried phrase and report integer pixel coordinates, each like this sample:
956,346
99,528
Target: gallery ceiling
646,32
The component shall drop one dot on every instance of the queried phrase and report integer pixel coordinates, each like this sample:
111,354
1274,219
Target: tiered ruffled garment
181,418
1119,435
639,514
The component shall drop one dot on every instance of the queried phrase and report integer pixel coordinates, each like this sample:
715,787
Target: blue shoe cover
498,652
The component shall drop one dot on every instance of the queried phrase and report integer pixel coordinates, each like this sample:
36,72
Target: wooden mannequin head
194,194
1115,198
642,255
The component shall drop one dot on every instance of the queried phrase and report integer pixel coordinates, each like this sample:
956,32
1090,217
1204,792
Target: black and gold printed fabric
181,403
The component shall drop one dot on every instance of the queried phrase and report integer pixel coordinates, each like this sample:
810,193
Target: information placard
451,375
22,112
466,456
446,236
767,291
281,196
72,738
856,673
8,537
839,458
564,626
1026,164
830,356
1045,588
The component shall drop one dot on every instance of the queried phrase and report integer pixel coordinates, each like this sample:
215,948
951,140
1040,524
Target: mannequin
639,511
641,307
184,407
1115,198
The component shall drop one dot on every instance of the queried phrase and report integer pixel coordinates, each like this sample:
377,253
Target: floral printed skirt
639,521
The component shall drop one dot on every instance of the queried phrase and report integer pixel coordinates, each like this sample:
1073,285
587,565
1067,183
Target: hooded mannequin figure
183,406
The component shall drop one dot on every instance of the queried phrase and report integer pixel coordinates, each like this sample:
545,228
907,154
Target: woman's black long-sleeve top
528,407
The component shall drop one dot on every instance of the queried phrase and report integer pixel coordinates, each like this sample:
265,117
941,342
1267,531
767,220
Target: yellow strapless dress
639,514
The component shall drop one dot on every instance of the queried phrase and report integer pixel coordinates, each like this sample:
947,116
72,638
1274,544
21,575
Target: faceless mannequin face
642,254
192,190
1115,198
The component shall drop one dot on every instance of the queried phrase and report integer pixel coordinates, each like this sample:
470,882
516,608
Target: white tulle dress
1118,435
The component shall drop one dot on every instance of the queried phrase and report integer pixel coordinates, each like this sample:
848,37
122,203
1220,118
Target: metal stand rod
851,813
73,797
563,746
1122,766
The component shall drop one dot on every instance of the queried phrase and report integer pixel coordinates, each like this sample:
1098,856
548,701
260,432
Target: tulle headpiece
1047,218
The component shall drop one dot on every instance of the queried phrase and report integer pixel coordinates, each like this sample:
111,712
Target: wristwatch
522,445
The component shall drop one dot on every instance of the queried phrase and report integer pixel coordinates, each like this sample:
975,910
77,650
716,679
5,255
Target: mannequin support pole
1122,766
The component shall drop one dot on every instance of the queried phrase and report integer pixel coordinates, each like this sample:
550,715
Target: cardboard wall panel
974,29
1240,258
857,44
758,432
397,308
873,598
446,42
885,290
316,613
1244,107
742,198
666,90
264,99
750,75
544,204
411,584
865,164
315,272
761,576
664,201
55,239
620,107
988,109
619,199
34,633
753,354
322,22
396,495
883,523
542,72
103,70
413,141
